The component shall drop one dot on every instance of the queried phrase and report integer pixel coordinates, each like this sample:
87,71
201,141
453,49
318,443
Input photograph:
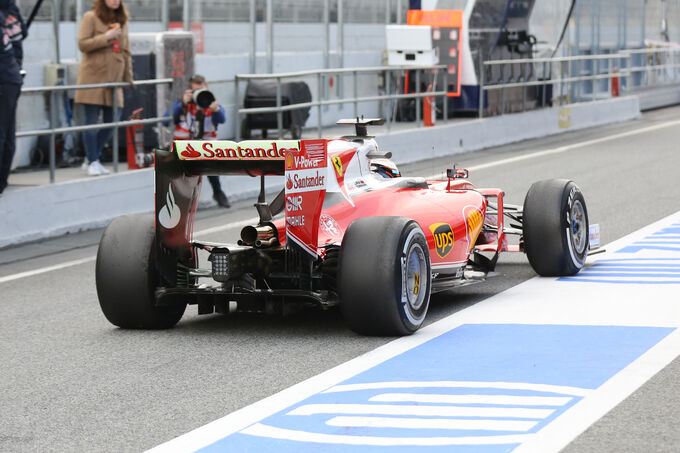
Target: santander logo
189,151
169,215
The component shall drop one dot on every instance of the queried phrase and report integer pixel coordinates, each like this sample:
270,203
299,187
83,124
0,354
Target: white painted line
461,384
43,270
426,411
262,430
67,264
562,149
432,423
471,399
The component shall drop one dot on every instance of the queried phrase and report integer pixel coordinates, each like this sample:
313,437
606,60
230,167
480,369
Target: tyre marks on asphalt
526,370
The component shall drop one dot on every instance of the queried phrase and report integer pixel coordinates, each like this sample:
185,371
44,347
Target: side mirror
457,173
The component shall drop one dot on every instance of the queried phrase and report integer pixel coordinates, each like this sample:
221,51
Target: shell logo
289,160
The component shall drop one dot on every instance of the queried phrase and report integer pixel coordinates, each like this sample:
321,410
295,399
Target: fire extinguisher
135,143
429,109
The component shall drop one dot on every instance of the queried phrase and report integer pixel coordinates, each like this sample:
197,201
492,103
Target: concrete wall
51,210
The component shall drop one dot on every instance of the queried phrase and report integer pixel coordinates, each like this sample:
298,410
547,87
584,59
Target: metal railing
661,66
53,131
658,67
554,72
321,82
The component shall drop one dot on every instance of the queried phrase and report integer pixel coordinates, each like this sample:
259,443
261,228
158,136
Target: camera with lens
202,98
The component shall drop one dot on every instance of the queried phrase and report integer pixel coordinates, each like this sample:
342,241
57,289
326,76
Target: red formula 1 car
346,230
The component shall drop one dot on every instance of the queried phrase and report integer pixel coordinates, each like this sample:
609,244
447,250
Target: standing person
194,122
103,39
12,31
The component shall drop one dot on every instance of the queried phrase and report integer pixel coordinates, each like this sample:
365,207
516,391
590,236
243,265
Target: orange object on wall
429,109
447,25
615,83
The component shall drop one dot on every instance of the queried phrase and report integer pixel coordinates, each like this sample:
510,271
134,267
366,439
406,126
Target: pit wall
35,213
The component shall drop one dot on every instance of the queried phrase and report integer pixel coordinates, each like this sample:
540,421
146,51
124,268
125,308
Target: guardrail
528,76
662,66
53,131
321,76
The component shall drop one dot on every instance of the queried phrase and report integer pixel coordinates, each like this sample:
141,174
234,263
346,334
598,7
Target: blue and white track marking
526,370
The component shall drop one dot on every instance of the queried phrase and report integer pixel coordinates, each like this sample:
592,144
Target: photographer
12,31
193,122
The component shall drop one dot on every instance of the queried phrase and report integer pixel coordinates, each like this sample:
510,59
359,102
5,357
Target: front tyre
555,227
385,276
127,278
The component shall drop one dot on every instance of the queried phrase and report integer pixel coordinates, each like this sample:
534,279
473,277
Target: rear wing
222,157
178,188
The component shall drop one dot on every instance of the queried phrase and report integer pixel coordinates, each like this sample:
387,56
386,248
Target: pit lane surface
72,382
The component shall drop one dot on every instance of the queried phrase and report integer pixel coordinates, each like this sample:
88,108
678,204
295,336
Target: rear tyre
555,227
127,278
385,276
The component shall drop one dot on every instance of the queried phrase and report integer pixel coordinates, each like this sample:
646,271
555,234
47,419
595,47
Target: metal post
388,91
165,14
53,138
480,102
270,38
318,110
253,41
198,11
115,130
55,30
417,99
595,73
185,16
279,113
236,115
387,11
399,8
356,94
341,50
79,15
445,113
327,33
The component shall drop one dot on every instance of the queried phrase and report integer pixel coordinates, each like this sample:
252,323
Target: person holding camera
196,117
12,31
103,40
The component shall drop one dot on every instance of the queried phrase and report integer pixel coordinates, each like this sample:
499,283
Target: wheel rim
416,277
577,233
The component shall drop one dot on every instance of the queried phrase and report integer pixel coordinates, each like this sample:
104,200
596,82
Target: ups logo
443,238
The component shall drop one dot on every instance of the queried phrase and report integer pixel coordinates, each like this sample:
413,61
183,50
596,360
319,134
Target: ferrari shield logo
337,163
443,238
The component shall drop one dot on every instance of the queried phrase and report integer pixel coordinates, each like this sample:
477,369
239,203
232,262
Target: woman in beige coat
103,40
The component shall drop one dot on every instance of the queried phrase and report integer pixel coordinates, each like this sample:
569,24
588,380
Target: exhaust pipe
262,234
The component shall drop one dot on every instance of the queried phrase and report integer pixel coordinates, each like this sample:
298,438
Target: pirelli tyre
384,276
555,227
126,276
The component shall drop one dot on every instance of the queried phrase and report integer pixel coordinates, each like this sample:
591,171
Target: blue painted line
637,248
629,275
476,358
629,269
620,282
622,260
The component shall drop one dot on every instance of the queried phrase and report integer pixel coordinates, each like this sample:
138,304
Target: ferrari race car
347,230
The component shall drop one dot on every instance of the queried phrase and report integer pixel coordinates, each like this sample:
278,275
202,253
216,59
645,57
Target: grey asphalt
69,381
